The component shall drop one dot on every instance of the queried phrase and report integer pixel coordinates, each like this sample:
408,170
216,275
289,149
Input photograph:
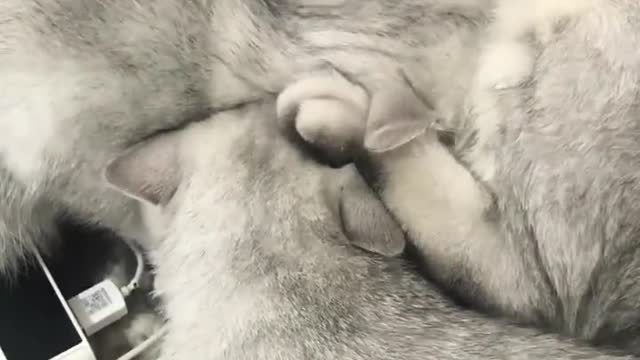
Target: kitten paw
506,64
328,112
142,327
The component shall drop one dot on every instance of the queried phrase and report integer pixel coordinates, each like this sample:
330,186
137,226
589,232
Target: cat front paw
506,64
328,112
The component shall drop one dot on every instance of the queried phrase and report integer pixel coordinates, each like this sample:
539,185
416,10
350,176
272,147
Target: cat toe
323,86
332,127
328,112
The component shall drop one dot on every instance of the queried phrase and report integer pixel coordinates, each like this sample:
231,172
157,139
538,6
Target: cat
84,79
250,239
533,214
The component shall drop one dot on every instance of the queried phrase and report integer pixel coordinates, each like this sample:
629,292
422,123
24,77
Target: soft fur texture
82,80
253,258
541,221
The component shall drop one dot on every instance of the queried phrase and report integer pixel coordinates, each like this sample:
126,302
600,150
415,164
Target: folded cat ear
366,222
149,172
396,116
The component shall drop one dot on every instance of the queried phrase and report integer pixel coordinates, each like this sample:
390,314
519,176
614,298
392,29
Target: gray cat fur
250,238
540,220
81,80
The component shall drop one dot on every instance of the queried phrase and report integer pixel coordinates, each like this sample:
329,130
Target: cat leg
443,209
435,199
448,217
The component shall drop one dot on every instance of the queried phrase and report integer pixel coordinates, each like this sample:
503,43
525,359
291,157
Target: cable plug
99,306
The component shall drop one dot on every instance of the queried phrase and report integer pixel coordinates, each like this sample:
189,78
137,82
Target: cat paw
328,112
505,64
142,327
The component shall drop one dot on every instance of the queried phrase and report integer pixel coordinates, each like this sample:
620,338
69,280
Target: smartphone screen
34,323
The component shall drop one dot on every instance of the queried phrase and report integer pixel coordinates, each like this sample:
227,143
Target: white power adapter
98,306
104,303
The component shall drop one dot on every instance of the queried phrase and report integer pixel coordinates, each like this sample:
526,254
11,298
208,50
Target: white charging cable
135,280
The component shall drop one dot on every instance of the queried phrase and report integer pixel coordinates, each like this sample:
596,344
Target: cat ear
149,172
396,116
366,222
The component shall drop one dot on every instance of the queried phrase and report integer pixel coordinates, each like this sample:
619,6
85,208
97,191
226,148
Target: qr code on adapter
96,301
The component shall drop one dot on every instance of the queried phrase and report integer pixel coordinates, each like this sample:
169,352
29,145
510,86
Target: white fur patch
505,64
513,18
39,111
433,195
142,327
508,60
27,121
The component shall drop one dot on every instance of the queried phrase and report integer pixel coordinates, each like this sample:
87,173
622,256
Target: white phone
36,322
